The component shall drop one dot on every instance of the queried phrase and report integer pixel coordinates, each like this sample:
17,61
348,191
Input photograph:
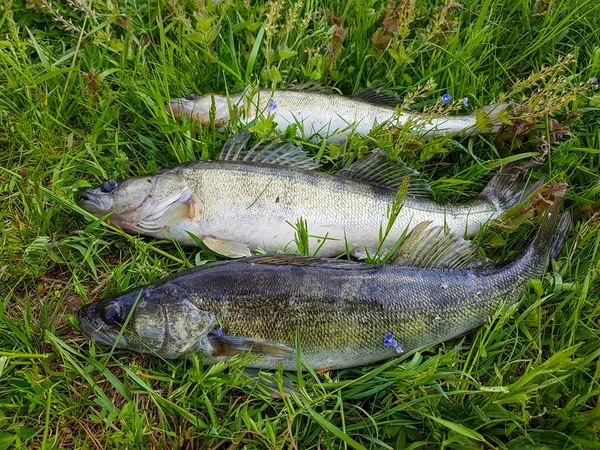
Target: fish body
319,114
235,206
341,313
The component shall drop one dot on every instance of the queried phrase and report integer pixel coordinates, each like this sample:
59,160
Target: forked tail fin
550,238
509,187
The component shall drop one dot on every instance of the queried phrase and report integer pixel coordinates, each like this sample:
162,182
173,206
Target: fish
329,313
323,114
253,196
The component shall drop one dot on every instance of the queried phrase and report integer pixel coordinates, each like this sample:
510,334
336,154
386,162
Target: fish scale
342,313
325,114
238,206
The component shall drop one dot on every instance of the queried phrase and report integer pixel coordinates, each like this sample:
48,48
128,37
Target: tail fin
508,187
550,237
491,113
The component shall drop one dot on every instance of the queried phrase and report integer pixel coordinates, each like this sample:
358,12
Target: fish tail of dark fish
508,187
550,237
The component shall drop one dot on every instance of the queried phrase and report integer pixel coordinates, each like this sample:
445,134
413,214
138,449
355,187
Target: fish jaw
92,201
92,326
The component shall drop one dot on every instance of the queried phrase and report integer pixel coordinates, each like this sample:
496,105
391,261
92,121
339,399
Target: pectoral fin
234,345
231,249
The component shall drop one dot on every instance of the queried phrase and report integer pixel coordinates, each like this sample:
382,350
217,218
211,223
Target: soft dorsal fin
433,248
296,260
266,151
378,168
377,95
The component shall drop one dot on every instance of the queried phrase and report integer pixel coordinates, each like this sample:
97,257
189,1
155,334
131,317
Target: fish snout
177,108
94,202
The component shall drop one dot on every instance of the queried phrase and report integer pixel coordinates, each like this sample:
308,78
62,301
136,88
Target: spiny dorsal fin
295,260
266,151
376,95
432,248
378,168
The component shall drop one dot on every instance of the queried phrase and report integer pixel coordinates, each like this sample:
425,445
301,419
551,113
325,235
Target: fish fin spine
433,248
377,95
380,169
266,151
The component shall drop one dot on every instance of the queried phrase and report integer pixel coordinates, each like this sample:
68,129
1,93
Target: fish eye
109,186
192,97
111,313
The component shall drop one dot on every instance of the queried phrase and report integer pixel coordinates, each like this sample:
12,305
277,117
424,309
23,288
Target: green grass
82,89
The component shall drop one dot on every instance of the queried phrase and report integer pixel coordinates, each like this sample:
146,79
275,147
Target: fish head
146,204
197,107
154,320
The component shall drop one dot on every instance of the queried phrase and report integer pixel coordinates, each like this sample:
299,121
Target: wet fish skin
235,206
342,312
253,205
327,115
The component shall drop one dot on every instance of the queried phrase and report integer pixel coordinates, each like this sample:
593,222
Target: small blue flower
215,1
594,81
219,332
466,101
457,9
327,48
389,338
446,98
399,349
552,10
272,105
559,135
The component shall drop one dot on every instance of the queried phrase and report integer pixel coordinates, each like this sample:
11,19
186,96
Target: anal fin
231,249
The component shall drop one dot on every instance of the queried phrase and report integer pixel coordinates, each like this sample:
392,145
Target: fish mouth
97,205
180,107
96,330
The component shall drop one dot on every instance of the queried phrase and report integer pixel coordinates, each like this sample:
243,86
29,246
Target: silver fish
252,196
319,114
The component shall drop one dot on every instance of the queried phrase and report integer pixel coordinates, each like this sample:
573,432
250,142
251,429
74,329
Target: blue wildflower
559,135
215,1
219,332
272,105
399,349
388,340
594,82
446,98
327,48
552,10
466,101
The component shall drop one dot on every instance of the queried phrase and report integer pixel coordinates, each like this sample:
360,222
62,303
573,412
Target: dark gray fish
343,313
